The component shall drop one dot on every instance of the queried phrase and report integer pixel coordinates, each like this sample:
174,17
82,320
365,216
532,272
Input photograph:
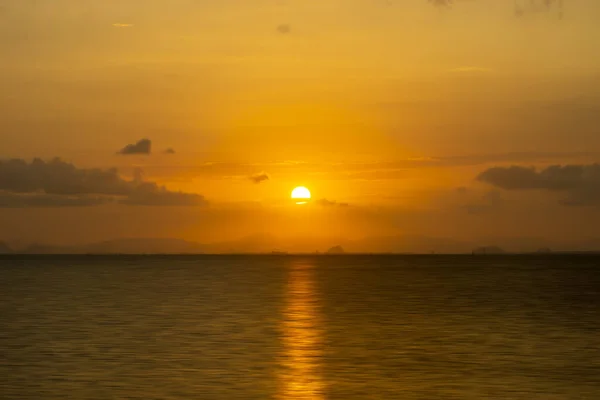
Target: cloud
42,200
143,146
260,177
581,183
284,29
121,25
329,203
58,183
59,178
170,150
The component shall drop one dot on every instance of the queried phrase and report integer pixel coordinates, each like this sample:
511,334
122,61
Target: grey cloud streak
150,194
42,200
397,169
330,203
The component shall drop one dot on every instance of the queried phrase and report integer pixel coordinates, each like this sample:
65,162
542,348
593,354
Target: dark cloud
284,29
329,203
60,184
143,146
581,183
42,200
555,177
170,150
60,178
260,177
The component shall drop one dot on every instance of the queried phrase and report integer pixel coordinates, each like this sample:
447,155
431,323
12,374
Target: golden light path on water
302,336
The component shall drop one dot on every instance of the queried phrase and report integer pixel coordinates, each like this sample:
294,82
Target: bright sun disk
301,195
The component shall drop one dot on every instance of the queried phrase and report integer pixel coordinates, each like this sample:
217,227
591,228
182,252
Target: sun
301,195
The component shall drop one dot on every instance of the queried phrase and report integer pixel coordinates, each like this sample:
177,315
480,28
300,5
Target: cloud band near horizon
60,184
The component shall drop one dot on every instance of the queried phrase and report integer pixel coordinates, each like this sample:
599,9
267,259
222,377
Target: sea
300,327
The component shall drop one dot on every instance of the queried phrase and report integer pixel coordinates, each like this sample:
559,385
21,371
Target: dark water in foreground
300,327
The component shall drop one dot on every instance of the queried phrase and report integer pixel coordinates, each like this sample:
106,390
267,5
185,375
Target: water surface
300,327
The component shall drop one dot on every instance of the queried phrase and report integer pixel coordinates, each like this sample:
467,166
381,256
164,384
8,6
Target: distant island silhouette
336,250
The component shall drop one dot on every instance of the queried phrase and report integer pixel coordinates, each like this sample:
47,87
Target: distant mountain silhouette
265,243
258,243
37,248
4,248
488,250
146,246
124,246
336,250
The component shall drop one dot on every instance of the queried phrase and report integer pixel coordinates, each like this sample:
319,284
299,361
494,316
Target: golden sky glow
388,110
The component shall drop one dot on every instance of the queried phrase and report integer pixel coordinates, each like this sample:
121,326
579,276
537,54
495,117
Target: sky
194,119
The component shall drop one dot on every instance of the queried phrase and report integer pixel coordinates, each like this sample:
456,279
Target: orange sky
394,107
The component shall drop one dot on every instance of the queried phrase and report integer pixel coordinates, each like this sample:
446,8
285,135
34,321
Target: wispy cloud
330,203
122,25
353,171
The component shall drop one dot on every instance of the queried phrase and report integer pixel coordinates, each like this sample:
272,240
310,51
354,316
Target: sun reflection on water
302,337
